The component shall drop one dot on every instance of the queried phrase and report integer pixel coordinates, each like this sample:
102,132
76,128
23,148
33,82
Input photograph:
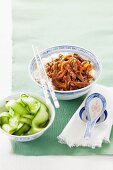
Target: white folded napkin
73,133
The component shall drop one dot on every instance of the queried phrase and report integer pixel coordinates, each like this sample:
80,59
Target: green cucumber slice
25,120
32,103
22,130
11,112
21,102
14,121
9,129
34,130
29,116
41,117
17,107
4,118
4,114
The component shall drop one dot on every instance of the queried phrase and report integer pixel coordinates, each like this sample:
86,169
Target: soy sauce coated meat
69,72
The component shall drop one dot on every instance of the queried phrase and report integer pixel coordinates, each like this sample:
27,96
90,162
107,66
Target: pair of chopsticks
44,80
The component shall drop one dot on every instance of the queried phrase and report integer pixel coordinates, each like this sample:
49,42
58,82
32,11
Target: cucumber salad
25,116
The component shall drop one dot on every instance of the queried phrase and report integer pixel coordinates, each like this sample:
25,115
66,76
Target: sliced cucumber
25,116
9,129
11,112
41,117
4,114
4,118
14,121
22,130
25,120
34,130
17,107
31,102
29,116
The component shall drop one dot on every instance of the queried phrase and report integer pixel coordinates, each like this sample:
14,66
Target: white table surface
8,161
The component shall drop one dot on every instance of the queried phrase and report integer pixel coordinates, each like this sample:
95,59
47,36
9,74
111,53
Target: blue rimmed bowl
33,136
101,119
72,94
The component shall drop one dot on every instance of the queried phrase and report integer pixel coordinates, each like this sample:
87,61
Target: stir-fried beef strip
69,72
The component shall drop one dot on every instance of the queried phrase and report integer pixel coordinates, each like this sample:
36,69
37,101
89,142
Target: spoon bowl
94,106
101,119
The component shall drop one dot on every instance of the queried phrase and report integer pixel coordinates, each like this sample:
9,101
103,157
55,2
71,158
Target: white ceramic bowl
72,94
36,135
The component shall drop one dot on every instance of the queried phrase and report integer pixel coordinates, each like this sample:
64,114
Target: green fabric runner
47,23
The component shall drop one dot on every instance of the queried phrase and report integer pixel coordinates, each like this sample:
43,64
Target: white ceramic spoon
94,106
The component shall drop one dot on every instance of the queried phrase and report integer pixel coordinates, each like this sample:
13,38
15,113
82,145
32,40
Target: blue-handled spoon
94,106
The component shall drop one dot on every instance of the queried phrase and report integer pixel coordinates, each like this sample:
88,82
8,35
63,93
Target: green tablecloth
47,23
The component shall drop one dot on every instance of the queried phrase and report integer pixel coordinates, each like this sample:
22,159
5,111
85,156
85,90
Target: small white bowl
72,94
36,135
